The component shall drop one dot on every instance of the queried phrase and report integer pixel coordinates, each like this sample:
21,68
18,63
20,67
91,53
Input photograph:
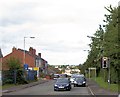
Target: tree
15,73
13,63
105,43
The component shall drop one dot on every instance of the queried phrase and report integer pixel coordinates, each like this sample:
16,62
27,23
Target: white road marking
91,91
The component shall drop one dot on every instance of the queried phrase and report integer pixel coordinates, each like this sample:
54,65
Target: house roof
36,56
26,52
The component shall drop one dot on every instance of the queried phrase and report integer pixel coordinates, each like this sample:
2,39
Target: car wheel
74,85
69,89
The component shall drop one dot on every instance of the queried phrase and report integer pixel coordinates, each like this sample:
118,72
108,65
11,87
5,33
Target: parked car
80,81
62,84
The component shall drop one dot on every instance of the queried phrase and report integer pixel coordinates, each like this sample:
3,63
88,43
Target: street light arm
29,37
32,37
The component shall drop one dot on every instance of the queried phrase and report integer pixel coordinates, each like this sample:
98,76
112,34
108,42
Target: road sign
26,66
36,68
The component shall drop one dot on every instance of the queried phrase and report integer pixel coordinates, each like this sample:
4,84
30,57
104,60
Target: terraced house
31,59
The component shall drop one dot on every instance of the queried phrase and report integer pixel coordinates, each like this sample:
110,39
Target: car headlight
67,84
55,84
75,82
84,82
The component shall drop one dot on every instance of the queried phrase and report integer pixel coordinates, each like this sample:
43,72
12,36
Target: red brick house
19,54
31,59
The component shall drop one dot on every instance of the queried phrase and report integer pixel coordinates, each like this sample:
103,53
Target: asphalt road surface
47,88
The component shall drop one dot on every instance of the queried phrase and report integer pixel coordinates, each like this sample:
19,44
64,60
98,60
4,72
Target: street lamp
24,46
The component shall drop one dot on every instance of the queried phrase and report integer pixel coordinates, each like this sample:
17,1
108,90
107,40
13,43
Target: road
47,89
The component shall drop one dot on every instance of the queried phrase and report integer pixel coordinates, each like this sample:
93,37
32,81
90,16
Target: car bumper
79,84
62,88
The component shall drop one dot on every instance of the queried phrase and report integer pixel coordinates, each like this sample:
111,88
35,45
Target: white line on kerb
91,91
5,91
119,95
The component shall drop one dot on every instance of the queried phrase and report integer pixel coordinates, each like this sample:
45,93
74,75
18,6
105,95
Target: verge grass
106,85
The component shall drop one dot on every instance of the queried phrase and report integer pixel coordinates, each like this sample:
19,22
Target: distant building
68,71
75,71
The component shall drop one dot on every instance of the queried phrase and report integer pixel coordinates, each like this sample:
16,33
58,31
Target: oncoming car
74,76
62,84
80,81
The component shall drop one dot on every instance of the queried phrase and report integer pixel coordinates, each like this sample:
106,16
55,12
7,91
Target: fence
18,76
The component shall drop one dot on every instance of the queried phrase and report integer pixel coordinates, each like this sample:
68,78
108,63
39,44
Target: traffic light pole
109,73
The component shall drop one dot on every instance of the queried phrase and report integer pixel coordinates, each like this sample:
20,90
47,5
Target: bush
8,81
42,75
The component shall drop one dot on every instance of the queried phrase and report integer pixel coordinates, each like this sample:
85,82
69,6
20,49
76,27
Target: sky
60,27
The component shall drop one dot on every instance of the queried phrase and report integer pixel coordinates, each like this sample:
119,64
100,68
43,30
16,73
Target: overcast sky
60,27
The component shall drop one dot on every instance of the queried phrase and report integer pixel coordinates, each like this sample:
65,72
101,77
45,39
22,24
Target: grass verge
106,85
8,86
12,85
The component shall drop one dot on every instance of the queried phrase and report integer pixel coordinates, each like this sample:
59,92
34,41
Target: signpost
26,66
37,69
25,70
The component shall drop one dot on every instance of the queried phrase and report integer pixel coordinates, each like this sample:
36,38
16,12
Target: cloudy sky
60,27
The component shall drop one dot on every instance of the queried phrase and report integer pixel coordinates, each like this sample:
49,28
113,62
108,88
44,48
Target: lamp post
24,46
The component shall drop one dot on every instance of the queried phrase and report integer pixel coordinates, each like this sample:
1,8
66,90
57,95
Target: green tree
15,71
105,42
13,63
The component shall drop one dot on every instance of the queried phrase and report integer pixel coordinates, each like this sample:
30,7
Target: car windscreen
62,81
80,79
56,76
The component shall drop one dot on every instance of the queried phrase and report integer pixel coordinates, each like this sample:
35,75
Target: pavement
97,90
94,88
19,87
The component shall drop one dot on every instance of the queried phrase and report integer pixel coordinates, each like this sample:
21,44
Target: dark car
62,84
80,81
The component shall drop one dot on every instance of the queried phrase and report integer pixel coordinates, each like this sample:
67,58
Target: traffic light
104,62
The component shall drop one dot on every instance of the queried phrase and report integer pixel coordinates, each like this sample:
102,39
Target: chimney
32,51
39,54
14,49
